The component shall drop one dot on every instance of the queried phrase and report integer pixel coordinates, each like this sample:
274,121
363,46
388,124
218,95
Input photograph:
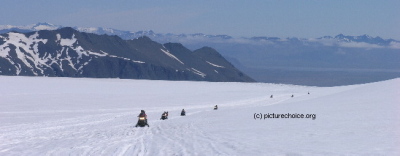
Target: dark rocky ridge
68,53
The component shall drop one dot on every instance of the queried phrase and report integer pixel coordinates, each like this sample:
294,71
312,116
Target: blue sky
247,18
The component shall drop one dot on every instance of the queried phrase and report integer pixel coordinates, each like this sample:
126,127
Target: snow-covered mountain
168,37
74,116
66,52
323,61
29,28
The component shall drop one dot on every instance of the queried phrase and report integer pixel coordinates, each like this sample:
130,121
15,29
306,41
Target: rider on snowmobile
142,115
183,113
164,115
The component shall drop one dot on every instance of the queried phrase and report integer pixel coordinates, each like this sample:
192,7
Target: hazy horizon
303,19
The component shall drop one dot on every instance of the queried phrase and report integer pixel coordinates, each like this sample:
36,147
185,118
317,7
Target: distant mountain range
168,37
323,61
66,52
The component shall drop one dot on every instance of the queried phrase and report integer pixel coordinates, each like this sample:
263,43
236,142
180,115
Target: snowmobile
215,107
183,113
142,122
142,119
164,116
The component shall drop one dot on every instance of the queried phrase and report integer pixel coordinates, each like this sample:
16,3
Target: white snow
128,59
30,54
87,29
33,27
4,51
195,71
58,37
172,56
67,41
215,65
138,61
77,116
101,53
45,27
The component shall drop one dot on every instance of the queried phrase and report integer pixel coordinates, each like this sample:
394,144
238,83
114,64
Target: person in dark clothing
271,96
215,107
142,115
183,113
164,115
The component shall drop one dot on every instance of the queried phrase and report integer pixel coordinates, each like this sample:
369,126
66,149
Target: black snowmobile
142,119
164,116
183,113
142,122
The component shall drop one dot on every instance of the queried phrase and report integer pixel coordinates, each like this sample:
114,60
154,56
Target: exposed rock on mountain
69,53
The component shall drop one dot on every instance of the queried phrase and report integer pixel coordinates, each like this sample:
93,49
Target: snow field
71,116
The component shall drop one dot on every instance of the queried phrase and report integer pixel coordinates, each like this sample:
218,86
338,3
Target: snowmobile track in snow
53,116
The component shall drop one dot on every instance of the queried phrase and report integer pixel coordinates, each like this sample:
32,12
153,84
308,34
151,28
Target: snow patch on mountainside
198,72
44,27
170,55
32,27
66,41
26,50
215,65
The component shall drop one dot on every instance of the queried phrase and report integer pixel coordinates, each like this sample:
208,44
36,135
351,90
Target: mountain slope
324,61
70,53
